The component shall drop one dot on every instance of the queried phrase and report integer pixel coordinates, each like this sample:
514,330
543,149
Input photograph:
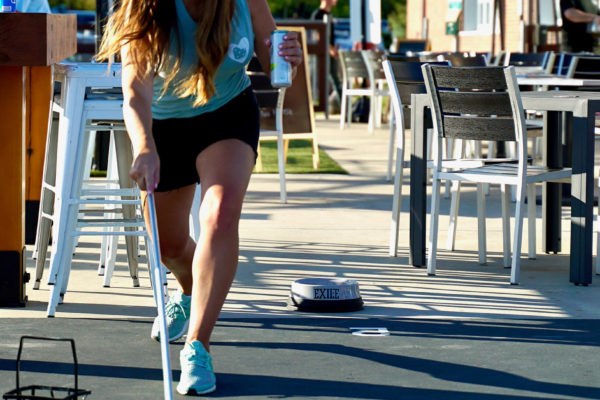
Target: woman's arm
263,24
137,112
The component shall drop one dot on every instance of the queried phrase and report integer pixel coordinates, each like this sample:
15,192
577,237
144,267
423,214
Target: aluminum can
281,70
9,6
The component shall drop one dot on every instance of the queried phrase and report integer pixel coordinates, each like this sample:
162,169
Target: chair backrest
563,62
526,59
405,46
353,64
475,103
584,67
461,60
373,60
407,78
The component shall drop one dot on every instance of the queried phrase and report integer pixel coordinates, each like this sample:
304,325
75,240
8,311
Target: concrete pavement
467,319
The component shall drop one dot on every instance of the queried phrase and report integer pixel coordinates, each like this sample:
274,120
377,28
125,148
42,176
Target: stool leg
70,146
103,258
74,210
111,256
44,226
70,125
109,242
124,155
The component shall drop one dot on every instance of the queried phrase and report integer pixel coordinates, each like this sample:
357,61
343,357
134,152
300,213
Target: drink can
9,5
281,70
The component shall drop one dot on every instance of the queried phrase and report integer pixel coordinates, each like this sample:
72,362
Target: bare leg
224,168
176,245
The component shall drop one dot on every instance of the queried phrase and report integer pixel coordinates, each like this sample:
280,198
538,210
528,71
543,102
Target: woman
192,118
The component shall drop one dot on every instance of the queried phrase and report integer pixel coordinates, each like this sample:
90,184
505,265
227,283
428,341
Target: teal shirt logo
238,52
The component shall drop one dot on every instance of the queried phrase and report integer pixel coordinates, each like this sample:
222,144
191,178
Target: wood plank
39,96
12,160
36,38
479,128
485,78
481,103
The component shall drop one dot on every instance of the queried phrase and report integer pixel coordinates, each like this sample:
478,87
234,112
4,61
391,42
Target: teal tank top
230,79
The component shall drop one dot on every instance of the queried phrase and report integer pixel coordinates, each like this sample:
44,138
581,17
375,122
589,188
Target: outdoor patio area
465,333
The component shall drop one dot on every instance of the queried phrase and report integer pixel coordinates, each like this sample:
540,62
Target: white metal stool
76,112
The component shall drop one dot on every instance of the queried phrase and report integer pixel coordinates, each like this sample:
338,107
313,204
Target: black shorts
180,140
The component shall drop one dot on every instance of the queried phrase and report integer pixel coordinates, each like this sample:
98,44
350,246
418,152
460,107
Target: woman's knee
173,245
220,213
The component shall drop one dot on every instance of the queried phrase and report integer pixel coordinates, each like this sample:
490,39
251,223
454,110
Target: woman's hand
145,170
289,49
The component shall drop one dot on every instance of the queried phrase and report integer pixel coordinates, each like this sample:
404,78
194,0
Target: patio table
553,80
27,39
583,106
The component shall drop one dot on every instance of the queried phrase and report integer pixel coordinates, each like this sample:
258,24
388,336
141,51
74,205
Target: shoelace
174,310
197,358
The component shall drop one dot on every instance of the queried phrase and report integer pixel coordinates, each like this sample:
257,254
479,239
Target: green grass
299,159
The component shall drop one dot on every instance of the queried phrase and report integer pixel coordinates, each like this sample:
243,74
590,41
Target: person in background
192,117
577,14
320,13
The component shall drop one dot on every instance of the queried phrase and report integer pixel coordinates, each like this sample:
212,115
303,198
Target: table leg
552,192
582,200
12,177
420,120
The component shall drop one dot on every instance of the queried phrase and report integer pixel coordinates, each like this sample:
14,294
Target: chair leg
518,236
531,217
397,200
343,104
511,150
372,111
433,230
490,154
348,110
390,164
449,144
281,167
430,150
505,200
481,224
379,110
454,206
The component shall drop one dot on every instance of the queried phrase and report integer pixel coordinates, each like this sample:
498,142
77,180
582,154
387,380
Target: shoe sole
194,392
175,337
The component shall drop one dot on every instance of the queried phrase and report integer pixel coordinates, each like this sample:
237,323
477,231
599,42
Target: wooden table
583,106
28,40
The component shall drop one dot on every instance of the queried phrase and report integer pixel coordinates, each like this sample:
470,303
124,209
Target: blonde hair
146,25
